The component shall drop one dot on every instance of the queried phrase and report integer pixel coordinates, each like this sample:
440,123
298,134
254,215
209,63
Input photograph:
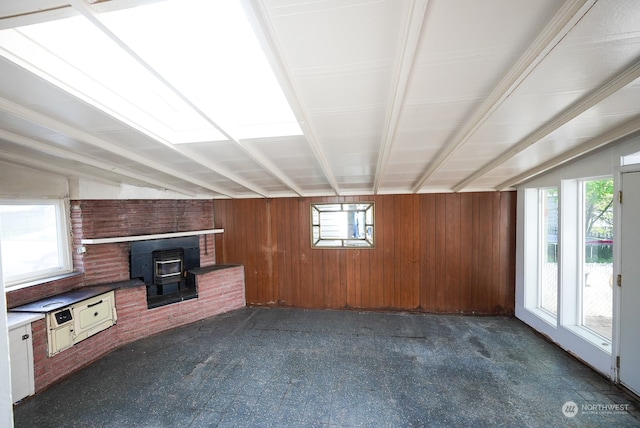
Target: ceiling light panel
209,52
217,73
96,70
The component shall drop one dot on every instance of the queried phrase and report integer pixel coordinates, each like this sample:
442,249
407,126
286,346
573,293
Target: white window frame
572,277
563,329
64,245
533,233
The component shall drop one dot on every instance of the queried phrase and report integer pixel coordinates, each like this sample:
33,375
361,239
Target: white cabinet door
630,291
21,354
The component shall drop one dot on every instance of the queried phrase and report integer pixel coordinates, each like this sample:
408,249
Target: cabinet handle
25,336
93,304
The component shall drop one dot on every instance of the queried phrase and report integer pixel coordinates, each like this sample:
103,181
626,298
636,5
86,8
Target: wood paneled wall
447,253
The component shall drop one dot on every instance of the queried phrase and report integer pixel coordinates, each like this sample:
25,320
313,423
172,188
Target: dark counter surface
53,303
211,268
58,301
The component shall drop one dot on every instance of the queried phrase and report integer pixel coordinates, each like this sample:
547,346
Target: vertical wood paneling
452,261
377,257
407,282
466,254
264,251
427,215
494,299
281,234
399,237
295,253
440,253
434,252
386,232
477,257
485,253
306,262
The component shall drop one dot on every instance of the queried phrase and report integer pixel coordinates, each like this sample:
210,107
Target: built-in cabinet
21,355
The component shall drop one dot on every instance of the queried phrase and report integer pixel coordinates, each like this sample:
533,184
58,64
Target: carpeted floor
292,367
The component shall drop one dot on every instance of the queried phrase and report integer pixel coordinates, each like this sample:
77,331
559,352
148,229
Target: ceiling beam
630,127
219,169
259,18
31,162
410,41
31,17
40,146
616,83
89,13
564,20
85,137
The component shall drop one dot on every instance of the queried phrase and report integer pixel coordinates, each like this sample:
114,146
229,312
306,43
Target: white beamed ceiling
393,96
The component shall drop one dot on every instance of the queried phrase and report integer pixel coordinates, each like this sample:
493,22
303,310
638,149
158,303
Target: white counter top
18,319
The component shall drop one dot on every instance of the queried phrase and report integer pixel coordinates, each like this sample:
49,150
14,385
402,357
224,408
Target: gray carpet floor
291,367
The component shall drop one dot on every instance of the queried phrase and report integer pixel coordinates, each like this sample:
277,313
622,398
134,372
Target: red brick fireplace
220,288
106,263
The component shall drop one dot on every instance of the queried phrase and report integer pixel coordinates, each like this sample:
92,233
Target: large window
596,261
542,252
548,248
568,247
34,240
566,282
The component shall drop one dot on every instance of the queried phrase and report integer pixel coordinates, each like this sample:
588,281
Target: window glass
597,256
548,250
34,240
342,225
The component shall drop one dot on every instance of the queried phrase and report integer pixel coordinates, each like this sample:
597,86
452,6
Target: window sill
545,316
10,288
595,339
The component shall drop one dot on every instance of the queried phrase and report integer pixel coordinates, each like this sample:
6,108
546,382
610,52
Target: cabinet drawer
94,312
93,315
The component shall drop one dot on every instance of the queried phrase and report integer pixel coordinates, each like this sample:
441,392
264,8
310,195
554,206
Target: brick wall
207,250
107,263
42,291
108,218
219,291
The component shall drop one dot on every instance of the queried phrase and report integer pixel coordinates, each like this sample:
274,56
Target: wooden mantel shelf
145,237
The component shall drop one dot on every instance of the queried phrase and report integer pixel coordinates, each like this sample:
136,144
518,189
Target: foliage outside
598,220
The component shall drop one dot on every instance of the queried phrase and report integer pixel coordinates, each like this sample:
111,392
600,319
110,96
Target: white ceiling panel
293,156
349,122
337,35
393,96
362,90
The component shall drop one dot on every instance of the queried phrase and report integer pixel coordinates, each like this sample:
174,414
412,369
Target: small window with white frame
35,240
548,250
541,249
